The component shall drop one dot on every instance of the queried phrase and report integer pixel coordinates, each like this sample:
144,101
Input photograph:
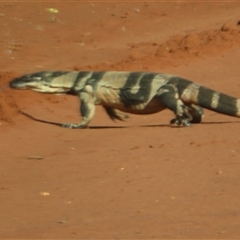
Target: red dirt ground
135,180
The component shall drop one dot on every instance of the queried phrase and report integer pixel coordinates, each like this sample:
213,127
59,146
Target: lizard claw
67,125
180,122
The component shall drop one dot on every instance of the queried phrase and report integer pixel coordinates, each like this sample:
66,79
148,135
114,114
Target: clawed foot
180,122
73,126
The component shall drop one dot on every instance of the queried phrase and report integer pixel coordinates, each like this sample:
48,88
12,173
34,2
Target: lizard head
46,81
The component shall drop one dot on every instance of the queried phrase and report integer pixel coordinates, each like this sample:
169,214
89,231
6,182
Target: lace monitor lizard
131,92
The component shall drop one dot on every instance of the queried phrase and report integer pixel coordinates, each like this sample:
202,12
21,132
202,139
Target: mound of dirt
175,51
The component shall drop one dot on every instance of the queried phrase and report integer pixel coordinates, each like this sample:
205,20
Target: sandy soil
139,179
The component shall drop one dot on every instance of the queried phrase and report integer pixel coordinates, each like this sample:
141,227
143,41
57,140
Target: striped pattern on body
133,92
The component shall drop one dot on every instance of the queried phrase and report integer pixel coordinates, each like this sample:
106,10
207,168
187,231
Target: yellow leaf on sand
53,10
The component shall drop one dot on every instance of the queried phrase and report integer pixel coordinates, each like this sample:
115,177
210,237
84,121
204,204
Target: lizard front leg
87,108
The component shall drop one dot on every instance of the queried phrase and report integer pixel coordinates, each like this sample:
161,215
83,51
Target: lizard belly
153,106
110,97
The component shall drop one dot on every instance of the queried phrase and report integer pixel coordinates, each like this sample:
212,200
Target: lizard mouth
15,84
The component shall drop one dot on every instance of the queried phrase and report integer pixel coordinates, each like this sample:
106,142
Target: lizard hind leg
169,97
183,117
